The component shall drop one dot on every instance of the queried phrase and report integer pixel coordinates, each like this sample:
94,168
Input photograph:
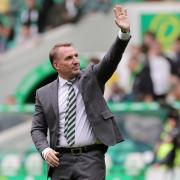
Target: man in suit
73,109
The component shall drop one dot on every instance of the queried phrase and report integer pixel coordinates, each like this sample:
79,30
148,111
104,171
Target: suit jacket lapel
54,94
54,97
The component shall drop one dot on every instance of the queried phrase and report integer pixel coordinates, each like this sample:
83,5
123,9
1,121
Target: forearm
40,139
109,63
45,152
39,127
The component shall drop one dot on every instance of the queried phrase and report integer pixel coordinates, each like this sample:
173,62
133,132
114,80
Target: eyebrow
76,55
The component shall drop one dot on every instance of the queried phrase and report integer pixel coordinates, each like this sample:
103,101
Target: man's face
67,62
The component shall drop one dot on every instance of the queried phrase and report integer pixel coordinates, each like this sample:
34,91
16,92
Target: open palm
121,18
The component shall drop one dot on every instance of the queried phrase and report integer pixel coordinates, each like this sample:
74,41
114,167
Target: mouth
77,68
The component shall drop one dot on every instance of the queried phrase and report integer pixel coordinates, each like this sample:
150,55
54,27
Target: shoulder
47,87
87,70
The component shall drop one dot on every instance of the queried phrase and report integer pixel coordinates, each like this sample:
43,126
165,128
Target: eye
68,58
76,55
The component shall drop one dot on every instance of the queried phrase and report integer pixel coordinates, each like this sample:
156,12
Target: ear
56,66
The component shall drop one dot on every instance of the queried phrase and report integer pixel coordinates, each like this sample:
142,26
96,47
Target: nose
75,60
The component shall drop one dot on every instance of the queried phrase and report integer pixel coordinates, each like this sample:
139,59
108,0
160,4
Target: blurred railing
115,107
140,124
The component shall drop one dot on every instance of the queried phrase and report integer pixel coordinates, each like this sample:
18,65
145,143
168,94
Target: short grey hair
53,52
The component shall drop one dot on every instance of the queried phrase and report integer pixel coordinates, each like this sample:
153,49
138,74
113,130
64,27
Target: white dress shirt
160,72
84,134
83,131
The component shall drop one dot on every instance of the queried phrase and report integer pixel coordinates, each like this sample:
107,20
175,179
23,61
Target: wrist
45,152
125,30
124,36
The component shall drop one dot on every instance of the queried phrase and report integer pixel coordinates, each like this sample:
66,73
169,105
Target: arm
39,127
109,63
39,135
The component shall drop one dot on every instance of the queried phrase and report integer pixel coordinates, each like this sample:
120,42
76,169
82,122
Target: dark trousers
86,166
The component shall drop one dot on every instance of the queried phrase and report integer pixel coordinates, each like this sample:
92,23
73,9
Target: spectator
2,40
94,60
57,15
4,6
136,51
175,55
135,67
167,152
30,16
25,34
174,94
97,5
104,5
161,70
7,34
43,14
74,10
148,40
117,93
10,100
155,78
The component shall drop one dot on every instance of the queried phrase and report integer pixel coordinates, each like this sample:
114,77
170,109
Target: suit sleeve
39,127
105,69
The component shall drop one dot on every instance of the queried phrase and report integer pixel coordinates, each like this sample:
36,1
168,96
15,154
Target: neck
67,78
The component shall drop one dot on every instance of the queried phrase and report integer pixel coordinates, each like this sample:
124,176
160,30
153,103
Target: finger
50,164
116,22
53,153
115,13
125,12
52,158
120,14
53,162
119,9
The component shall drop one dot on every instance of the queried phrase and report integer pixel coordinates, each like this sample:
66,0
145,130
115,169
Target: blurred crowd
154,73
22,20
167,147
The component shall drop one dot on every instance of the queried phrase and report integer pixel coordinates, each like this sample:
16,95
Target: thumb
117,23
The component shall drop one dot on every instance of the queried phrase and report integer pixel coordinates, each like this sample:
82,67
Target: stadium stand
25,67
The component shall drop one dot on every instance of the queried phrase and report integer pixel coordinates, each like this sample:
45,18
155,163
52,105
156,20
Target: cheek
65,67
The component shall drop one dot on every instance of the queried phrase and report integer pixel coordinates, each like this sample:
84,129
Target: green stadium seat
10,165
34,165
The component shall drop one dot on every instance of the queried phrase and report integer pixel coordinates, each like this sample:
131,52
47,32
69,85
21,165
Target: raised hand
121,18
